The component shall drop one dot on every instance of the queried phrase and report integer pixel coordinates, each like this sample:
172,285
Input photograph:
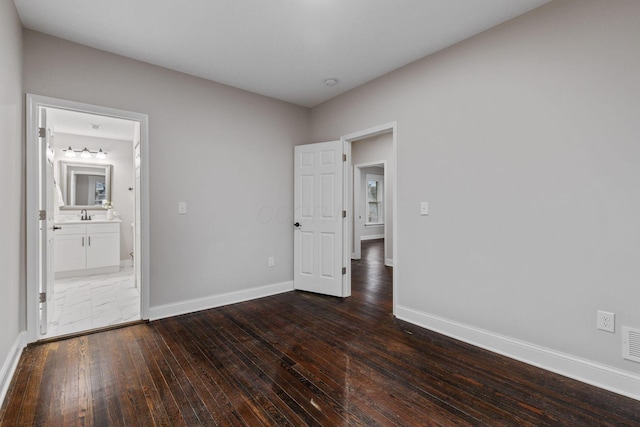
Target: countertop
89,221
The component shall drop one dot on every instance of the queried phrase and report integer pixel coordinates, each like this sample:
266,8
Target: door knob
297,225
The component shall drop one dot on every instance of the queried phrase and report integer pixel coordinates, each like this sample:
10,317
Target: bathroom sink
75,219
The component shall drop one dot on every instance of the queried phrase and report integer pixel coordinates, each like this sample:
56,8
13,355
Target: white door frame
33,103
357,202
392,128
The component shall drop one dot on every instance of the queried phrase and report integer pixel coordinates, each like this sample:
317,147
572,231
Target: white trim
126,263
11,363
347,220
32,104
356,136
388,262
596,374
198,304
372,237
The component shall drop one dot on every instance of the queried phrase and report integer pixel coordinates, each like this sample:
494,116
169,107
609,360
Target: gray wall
524,140
12,250
226,152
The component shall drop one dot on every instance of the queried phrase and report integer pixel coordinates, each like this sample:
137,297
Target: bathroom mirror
85,185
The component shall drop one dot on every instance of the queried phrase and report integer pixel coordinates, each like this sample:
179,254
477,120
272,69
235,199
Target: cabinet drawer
70,229
103,228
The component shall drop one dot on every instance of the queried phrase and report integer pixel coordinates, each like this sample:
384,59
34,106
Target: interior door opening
370,190
370,203
87,264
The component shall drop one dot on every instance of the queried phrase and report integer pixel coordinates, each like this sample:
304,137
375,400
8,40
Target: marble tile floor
90,302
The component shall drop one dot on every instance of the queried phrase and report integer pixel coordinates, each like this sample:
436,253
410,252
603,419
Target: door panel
103,250
318,215
46,252
71,252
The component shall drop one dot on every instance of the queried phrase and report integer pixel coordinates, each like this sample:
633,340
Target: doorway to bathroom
86,247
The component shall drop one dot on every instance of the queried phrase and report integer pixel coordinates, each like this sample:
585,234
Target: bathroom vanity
83,248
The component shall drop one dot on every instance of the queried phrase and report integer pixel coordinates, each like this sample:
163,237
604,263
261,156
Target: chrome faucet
83,215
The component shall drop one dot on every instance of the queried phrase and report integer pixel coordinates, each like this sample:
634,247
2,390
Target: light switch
182,208
424,208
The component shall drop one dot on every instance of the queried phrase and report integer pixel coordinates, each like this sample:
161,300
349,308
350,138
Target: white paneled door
318,218
45,159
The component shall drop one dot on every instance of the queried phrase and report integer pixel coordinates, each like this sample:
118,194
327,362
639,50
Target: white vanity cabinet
82,249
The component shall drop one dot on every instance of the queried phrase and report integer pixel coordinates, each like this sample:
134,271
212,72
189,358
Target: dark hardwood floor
295,359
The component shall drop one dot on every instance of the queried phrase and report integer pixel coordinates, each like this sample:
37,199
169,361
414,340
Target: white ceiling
284,49
77,123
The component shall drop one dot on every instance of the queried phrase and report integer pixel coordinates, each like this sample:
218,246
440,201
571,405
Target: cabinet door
69,252
103,250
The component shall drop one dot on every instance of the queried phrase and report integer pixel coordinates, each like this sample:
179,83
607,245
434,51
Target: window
375,199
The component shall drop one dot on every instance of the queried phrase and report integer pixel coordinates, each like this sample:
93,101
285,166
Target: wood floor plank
403,403
327,359
281,398
156,409
130,397
56,384
24,394
308,401
261,399
170,372
107,410
295,359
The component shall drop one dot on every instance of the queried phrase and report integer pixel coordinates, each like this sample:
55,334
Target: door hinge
344,157
43,297
344,214
42,215
344,270
42,133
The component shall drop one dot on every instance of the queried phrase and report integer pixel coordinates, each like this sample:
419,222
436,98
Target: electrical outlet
424,208
271,261
182,208
606,321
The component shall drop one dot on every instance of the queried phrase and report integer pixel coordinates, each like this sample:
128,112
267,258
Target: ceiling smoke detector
331,82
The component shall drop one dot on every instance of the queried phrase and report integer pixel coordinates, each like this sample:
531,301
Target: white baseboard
11,363
372,237
388,262
599,375
193,305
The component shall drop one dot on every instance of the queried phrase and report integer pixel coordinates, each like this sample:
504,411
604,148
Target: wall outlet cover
606,321
424,208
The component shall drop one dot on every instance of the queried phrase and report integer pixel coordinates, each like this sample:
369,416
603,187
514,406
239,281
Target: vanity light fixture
69,152
85,153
